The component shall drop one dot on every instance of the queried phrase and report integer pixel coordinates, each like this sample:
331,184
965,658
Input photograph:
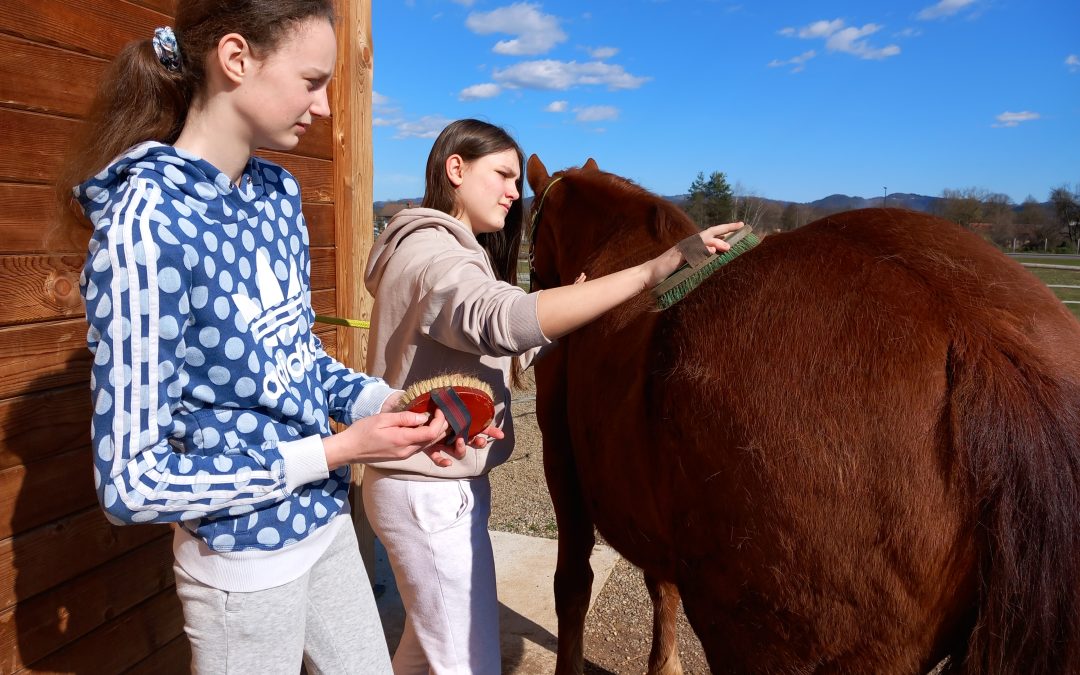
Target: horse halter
533,222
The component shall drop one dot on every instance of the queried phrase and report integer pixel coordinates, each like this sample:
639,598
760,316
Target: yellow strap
351,323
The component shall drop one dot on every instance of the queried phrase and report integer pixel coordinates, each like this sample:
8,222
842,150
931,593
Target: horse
855,448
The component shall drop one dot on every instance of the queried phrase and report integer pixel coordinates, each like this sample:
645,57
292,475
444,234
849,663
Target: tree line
1051,225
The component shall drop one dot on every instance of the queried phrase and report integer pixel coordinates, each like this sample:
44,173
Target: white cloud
908,33
601,53
1073,63
1011,119
844,39
943,9
849,41
560,75
464,3
596,113
798,62
556,106
536,32
478,91
818,29
383,108
428,126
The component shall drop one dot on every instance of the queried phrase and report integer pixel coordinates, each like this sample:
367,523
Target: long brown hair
473,139
140,99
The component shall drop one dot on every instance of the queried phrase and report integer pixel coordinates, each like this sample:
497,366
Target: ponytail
139,100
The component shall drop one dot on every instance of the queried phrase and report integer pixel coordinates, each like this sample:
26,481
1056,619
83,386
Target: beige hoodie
440,309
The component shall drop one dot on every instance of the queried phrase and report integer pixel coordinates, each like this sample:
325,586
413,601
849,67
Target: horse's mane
668,223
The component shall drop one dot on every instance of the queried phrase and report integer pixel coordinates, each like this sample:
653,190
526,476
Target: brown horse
853,449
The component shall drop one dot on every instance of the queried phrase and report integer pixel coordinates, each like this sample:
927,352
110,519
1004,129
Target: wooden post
353,219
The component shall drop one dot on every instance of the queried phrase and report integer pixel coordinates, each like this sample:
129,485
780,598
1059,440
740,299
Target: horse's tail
1017,430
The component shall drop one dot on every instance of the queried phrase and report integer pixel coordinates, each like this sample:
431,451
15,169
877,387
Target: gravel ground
618,628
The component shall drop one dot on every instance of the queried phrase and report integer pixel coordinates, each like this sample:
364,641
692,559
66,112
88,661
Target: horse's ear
536,173
590,165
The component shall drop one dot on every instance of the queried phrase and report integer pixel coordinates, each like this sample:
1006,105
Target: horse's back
809,387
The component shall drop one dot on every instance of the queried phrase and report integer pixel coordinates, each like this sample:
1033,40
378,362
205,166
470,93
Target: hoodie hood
192,183
407,222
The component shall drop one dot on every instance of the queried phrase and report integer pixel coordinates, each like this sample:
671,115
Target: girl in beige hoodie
443,277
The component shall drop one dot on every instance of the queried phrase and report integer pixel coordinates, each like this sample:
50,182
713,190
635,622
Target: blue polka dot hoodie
210,392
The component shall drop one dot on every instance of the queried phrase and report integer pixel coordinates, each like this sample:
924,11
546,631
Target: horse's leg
664,657
573,575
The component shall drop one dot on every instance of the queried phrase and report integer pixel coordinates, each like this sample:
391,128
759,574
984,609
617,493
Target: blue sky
792,100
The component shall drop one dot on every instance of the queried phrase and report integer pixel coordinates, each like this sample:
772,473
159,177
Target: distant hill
832,203
838,202
900,199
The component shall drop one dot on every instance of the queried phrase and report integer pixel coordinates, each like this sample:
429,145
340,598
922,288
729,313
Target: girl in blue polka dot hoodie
212,397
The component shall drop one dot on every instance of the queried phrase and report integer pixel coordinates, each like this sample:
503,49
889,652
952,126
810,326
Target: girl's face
485,189
287,87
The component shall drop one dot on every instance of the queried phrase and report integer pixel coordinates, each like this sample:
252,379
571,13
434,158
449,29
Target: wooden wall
77,594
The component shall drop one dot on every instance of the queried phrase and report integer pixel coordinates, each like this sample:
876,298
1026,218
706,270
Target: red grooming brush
466,402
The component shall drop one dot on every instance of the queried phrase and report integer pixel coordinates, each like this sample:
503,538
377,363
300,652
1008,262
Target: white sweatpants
436,538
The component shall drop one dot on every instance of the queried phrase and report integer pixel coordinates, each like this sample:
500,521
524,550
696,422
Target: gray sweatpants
327,618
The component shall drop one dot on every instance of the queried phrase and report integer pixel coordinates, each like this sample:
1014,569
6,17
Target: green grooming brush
700,265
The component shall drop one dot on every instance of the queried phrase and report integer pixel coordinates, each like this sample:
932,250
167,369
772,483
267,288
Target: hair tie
168,52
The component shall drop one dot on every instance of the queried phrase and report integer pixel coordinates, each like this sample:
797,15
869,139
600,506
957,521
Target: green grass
1058,277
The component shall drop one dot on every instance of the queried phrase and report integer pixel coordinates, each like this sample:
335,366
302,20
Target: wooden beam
353,169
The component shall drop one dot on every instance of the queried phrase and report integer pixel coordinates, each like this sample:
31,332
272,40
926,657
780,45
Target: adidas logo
271,312
273,320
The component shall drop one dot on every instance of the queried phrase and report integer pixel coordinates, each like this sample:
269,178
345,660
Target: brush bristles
421,387
673,295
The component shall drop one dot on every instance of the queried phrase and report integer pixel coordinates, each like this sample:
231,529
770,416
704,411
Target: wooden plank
323,267
40,625
41,356
324,302
38,426
33,145
353,194
316,176
39,77
172,659
353,171
318,140
122,643
40,288
328,335
1068,268
29,496
28,222
320,222
70,546
95,28
167,7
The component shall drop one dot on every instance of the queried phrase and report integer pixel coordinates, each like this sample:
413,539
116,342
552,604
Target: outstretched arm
567,308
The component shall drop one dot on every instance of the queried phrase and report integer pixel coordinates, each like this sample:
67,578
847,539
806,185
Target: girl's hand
670,260
479,441
713,236
387,436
